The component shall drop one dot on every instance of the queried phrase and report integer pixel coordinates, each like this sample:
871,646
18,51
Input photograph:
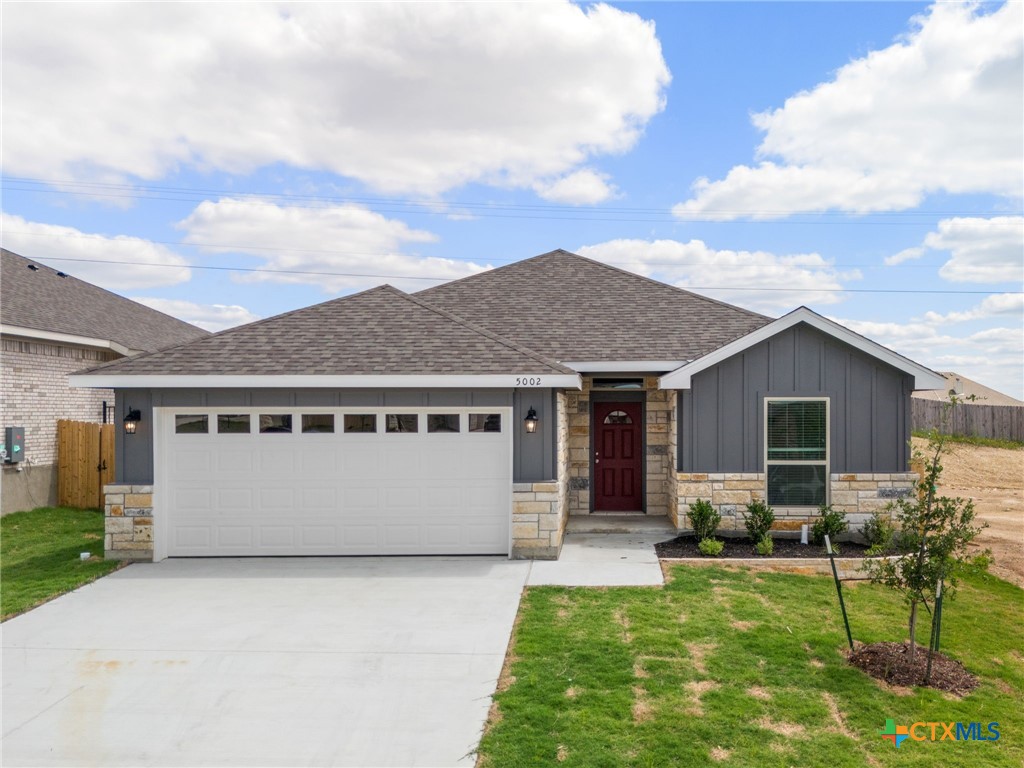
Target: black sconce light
131,421
531,421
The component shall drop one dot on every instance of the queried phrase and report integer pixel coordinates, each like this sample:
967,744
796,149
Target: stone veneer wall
856,494
540,510
128,525
660,438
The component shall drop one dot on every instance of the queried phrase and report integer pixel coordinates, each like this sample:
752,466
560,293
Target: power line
445,279
334,252
479,209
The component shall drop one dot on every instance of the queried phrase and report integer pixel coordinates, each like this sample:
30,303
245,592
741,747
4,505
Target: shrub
830,523
758,519
711,547
704,519
879,532
765,546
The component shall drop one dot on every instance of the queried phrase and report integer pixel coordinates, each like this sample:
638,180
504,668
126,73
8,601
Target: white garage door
273,481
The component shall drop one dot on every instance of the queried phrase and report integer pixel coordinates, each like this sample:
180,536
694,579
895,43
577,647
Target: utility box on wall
13,448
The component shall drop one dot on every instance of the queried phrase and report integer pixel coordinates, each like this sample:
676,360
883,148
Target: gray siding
533,455
721,417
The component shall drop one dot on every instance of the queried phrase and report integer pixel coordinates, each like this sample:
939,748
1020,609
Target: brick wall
34,382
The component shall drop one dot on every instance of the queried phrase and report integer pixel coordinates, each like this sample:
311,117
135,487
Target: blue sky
863,159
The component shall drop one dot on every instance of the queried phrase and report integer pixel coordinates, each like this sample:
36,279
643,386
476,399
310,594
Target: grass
738,668
39,555
987,442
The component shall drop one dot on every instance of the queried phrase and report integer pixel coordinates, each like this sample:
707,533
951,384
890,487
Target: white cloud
146,264
940,110
797,279
990,355
982,250
212,317
583,187
406,97
991,306
328,239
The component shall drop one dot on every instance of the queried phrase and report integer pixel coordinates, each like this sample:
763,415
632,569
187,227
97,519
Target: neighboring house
476,416
51,325
967,387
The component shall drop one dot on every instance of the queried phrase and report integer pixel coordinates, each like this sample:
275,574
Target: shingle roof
571,308
382,331
43,300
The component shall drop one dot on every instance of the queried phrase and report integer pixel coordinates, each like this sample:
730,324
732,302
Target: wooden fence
1003,422
85,462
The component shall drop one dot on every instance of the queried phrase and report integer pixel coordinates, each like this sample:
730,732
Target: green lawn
39,555
736,668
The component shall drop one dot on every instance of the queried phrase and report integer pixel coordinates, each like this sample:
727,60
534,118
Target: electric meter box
13,448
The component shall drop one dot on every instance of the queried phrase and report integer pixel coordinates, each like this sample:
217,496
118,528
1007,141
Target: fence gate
85,462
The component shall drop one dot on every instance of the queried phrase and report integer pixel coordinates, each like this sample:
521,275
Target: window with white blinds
796,451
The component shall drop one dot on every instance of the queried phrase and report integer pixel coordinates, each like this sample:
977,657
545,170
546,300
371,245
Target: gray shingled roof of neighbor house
42,300
382,331
571,308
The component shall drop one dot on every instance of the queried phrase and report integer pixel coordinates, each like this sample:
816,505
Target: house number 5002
527,381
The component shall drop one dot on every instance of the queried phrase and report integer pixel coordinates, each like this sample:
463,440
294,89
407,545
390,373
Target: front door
618,457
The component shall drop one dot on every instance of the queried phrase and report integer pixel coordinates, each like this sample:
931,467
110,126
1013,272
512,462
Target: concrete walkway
281,661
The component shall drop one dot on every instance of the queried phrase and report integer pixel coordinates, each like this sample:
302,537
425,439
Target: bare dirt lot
994,478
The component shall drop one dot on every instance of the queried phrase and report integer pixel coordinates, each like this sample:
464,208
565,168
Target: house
966,387
51,325
477,416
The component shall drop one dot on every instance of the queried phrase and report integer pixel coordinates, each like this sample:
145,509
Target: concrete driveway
250,662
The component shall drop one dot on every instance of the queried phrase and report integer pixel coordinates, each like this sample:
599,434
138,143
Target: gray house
477,416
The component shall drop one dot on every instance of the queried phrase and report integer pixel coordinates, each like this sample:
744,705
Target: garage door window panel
272,423
360,422
233,423
442,422
402,422
485,422
317,422
194,424
796,451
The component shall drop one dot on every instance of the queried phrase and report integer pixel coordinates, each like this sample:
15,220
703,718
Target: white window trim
816,462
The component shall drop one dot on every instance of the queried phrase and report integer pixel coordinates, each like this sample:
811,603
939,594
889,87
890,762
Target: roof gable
35,296
571,308
924,378
379,332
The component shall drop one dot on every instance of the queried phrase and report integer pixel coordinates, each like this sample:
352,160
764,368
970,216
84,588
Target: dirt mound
994,479
891,662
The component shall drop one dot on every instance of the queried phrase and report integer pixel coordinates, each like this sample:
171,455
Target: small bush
879,532
758,519
830,523
711,547
765,546
704,519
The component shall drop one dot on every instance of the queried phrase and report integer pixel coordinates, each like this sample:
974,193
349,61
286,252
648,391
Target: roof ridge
484,332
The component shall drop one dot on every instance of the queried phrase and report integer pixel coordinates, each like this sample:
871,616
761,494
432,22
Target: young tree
932,537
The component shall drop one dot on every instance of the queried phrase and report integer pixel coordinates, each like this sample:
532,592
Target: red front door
618,457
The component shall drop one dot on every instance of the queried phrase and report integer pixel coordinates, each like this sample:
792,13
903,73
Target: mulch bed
686,546
891,662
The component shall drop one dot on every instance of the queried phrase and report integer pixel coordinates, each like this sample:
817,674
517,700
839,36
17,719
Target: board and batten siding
533,455
721,417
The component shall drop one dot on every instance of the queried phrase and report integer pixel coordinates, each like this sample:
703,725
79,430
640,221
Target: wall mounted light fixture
131,421
531,421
